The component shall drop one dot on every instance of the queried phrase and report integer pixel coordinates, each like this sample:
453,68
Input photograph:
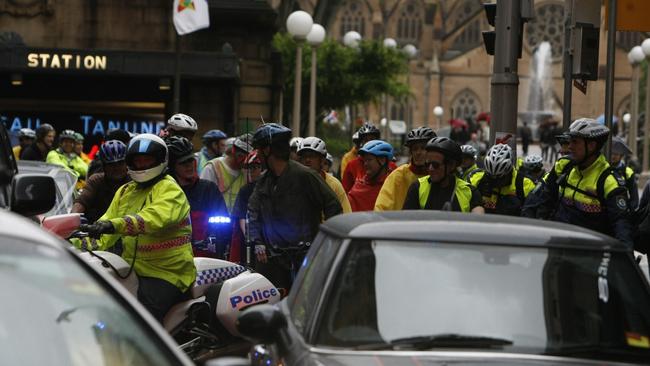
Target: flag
190,15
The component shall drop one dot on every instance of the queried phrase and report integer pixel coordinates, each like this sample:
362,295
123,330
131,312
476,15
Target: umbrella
601,119
458,123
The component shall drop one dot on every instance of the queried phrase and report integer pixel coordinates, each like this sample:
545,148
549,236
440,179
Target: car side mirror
32,194
228,361
262,323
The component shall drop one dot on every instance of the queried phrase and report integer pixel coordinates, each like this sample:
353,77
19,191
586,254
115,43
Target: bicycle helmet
329,158
469,151
67,134
182,122
368,129
295,142
112,151
588,129
118,134
179,149
423,134
43,130
230,142
355,137
271,133
147,144
447,147
377,148
313,144
26,133
498,161
242,143
563,138
213,135
533,163
619,146
78,137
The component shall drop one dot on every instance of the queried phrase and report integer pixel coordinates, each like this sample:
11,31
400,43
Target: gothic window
465,105
409,23
353,18
463,20
548,25
627,40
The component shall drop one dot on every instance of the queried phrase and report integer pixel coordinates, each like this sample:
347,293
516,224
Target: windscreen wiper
446,340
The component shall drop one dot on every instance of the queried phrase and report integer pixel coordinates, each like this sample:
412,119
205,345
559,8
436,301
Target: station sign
66,61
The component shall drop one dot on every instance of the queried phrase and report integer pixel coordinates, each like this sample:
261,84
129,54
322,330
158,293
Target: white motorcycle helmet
498,161
313,144
182,122
146,144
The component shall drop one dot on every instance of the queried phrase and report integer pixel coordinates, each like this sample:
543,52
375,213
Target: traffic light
524,14
489,37
585,39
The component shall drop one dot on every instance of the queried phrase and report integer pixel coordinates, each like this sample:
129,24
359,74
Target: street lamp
390,43
645,47
411,52
635,57
351,39
438,112
315,37
299,25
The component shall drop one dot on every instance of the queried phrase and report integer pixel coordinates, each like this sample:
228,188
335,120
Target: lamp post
315,37
645,46
352,39
411,52
635,57
438,112
299,25
389,43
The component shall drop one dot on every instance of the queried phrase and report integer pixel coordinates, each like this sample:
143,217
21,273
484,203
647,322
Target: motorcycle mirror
32,194
261,323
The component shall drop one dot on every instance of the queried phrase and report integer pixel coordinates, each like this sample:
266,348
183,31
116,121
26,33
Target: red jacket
364,193
354,170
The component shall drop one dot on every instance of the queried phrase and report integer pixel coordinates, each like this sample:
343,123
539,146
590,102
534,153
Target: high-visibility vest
462,191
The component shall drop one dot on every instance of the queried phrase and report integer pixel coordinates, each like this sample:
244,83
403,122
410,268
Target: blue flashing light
100,325
268,362
219,220
305,262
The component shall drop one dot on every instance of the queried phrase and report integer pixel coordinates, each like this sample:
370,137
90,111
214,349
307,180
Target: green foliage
346,76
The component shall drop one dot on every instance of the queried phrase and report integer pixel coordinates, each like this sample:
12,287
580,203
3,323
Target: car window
55,313
538,298
309,283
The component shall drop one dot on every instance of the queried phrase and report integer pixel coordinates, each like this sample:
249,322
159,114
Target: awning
397,127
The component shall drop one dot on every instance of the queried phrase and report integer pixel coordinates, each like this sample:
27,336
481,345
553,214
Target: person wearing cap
286,208
376,156
393,192
584,190
26,137
66,157
101,187
214,145
313,153
441,188
618,161
79,147
205,201
227,171
38,151
468,165
352,154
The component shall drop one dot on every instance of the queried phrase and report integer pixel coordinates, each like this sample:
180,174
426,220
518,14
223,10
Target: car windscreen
544,300
55,313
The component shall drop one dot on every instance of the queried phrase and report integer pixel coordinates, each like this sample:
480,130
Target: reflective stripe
218,274
582,206
178,242
130,225
140,223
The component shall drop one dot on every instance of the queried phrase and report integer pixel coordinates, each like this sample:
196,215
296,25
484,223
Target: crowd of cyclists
259,198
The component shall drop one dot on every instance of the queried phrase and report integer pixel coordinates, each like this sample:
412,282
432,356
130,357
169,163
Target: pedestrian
526,136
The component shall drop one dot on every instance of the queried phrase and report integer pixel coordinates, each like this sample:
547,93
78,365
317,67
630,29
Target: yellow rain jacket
155,222
348,157
337,187
71,162
393,193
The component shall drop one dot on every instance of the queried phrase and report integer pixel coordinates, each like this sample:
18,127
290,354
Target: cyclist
66,157
101,187
95,166
226,171
294,144
327,165
355,168
563,140
26,137
181,125
152,217
584,190
376,156
503,188
533,167
79,146
286,207
39,150
618,161
209,239
393,192
352,154
468,164
312,153
442,189
214,145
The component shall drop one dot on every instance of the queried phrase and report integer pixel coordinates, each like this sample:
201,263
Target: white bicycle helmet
295,142
498,161
313,144
469,151
241,143
533,163
182,122
146,144
27,133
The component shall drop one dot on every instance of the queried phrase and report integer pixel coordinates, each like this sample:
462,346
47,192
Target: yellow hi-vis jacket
396,186
155,222
462,191
71,162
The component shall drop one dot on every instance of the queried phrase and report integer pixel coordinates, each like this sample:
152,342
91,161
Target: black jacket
32,152
287,210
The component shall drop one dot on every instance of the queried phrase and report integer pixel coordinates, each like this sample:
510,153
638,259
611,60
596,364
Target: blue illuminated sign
87,124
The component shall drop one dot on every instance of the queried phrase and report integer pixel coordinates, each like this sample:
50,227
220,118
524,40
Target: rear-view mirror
32,194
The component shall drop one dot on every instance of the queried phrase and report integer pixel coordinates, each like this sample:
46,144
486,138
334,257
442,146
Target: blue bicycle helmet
214,135
112,151
270,133
377,148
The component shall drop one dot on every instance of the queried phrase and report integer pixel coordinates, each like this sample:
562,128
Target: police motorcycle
205,324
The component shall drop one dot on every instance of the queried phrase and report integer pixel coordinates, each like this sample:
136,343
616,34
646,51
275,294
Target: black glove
98,228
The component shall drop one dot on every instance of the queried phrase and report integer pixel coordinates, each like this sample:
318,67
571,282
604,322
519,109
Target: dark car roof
428,225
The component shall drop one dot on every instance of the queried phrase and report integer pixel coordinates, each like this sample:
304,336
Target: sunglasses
433,164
